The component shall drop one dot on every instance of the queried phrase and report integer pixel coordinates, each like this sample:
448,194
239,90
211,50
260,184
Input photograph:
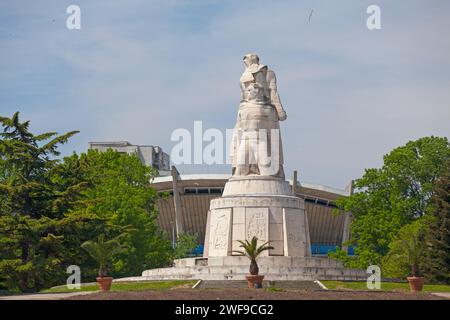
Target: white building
152,156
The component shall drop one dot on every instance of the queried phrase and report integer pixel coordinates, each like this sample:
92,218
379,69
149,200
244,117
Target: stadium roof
218,176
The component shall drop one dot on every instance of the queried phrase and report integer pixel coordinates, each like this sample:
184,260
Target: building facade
184,199
328,226
152,156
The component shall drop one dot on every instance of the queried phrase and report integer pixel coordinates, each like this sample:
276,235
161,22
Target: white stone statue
256,147
257,201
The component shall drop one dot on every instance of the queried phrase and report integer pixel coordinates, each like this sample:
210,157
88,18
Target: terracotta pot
254,281
104,283
415,283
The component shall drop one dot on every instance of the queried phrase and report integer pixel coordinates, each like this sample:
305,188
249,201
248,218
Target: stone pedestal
257,206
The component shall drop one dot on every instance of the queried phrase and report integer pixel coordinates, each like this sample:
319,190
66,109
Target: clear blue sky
139,69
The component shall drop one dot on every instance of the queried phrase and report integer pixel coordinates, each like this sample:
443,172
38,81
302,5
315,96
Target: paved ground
442,294
253,294
227,284
44,296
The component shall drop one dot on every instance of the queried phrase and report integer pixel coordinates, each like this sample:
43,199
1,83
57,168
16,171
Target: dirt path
252,294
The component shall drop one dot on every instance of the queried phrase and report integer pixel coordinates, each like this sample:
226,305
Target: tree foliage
392,196
31,249
186,243
437,258
119,193
49,207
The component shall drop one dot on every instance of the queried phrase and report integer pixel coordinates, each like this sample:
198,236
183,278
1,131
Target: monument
257,201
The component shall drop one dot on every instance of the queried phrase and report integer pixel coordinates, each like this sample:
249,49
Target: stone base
256,185
236,268
279,219
257,206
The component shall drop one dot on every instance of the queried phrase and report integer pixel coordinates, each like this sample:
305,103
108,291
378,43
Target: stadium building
184,200
188,197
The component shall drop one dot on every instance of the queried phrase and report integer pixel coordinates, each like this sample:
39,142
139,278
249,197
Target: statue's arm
274,97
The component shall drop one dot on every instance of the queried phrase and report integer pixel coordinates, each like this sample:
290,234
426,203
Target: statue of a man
256,146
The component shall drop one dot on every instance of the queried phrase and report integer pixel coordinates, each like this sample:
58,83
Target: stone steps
273,268
271,273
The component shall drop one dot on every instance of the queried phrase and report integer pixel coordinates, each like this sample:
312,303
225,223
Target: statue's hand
282,115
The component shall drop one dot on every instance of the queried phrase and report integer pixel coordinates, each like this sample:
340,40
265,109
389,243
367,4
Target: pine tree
437,259
29,245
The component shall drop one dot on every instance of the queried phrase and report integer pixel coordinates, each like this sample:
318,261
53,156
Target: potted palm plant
103,251
252,251
414,247
408,249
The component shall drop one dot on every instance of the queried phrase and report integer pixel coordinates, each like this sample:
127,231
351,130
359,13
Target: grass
385,286
127,286
274,289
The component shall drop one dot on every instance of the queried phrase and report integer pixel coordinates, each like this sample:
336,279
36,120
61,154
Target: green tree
388,198
186,242
120,194
48,208
30,246
436,266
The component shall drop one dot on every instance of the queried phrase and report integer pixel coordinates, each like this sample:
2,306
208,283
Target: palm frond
251,248
242,253
103,251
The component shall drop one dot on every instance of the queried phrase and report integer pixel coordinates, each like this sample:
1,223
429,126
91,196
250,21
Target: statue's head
251,58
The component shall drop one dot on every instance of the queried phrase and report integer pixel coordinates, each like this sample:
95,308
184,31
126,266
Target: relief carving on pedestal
221,232
257,225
